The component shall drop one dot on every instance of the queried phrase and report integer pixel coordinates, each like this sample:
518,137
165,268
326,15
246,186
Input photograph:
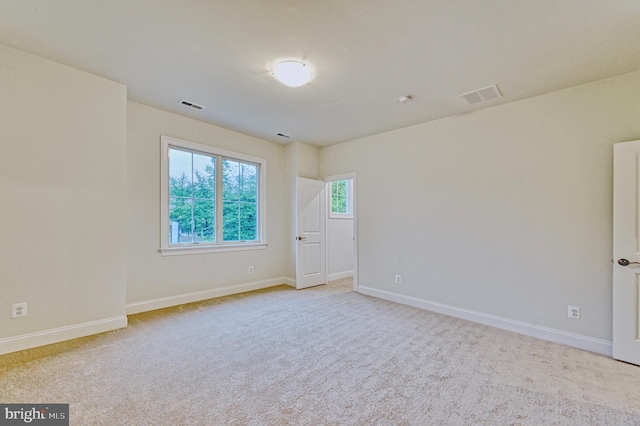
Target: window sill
196,249
340,216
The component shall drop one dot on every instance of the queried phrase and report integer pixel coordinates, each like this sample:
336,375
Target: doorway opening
341,229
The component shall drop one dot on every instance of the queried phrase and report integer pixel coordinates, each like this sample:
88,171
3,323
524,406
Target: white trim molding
579,341
339,275
193,249
60,334
181,299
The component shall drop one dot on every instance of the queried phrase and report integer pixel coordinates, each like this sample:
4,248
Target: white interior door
311,235
626,251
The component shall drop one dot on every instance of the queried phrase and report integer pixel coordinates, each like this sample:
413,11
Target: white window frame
166,249
349,214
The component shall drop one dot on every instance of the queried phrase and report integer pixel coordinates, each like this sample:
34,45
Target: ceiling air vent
482,95
191,104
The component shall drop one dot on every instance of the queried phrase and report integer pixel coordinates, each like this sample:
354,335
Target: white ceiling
366,53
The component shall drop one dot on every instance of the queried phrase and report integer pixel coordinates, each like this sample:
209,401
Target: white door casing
311,235
626,248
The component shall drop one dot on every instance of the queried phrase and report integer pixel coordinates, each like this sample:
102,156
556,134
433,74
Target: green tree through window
340,196
240,195
192,198
192,189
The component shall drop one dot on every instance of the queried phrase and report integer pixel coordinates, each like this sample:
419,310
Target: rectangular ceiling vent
191,104
482,95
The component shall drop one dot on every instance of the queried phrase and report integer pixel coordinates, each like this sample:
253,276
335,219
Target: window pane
192,196
231,180
339,204
180,172
249,179
248,221
240,194
334,188
204,176
230,224
204,221
340,196
180,220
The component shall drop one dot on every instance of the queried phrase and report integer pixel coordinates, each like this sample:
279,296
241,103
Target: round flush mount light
293,73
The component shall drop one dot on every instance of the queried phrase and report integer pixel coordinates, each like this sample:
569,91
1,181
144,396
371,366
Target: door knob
301,238
625,262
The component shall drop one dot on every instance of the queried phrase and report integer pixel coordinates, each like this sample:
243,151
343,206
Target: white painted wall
305,160
63,192
151,276
505,211
340,248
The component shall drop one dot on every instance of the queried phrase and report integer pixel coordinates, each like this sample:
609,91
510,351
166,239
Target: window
240,197
340,197
212,199
192,197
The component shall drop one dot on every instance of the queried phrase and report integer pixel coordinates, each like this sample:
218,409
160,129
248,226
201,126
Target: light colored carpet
321,356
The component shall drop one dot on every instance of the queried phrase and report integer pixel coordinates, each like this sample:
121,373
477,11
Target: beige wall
151,276
63,192
505,210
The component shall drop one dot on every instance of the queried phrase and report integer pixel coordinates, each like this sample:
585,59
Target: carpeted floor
320,356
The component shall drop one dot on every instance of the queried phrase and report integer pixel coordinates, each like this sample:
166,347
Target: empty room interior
433,222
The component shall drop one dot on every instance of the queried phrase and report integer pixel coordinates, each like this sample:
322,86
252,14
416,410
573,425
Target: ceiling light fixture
293,73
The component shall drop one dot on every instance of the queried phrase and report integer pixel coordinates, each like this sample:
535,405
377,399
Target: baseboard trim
339,275
579,341
289,281
60,334
180,299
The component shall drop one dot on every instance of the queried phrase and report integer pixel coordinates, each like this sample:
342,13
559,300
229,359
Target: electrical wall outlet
251,269
398,279
19,310
573,312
